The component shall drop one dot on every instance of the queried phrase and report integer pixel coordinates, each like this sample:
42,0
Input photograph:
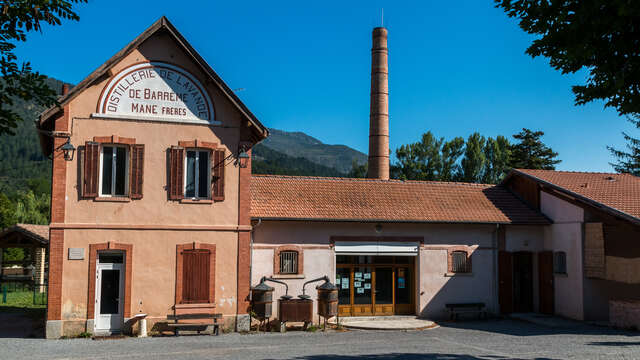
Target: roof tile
344,199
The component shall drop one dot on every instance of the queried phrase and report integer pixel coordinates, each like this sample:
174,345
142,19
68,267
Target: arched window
460,262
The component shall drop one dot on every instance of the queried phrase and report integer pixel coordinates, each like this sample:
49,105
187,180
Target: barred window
560,262
288,262
460,263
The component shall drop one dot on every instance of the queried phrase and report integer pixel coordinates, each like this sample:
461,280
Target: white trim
404,248
113,170
197,177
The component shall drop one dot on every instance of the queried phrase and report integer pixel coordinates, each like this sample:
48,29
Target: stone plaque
76,253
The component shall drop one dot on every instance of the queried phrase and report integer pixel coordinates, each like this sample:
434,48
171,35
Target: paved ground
385,323
499,339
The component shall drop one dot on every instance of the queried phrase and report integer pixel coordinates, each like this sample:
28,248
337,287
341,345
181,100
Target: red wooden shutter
176,173
217,182
195,276
90,169
137,171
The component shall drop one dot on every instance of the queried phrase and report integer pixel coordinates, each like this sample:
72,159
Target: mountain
268,161
22,165
298,144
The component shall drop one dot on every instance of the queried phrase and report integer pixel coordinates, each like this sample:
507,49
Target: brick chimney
379,110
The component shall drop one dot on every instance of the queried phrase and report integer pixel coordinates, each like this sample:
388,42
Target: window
459,262
195,276
114,170
197,175
560,262
288,262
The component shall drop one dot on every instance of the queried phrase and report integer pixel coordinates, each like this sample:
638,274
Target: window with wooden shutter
460,262
195,276
176,173
137,171
91,163
217,182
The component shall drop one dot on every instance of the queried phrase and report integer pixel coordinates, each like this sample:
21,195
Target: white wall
434,287
565,234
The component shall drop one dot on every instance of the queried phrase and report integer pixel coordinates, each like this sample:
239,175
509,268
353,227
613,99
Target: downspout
496,301
253,229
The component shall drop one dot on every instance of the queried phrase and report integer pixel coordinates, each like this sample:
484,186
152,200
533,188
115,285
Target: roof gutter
263,218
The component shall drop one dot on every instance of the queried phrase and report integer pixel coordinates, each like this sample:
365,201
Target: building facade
151,215
154,211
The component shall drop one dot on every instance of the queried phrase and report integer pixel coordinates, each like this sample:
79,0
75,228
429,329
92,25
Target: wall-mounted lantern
243,158
68,150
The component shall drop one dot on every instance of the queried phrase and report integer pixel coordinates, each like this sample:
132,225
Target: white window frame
197,175
113,170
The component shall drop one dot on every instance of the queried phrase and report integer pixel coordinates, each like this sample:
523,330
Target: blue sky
454,69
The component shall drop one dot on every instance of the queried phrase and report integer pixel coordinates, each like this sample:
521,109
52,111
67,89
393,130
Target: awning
376,248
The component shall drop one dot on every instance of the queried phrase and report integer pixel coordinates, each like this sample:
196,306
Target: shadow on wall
460,288
403,356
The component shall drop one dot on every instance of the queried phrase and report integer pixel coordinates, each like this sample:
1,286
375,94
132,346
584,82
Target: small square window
288,262
560,262
459,262
114,163
197,183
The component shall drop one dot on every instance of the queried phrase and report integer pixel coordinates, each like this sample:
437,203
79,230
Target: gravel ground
496,339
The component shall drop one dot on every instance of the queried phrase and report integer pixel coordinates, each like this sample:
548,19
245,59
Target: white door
109,299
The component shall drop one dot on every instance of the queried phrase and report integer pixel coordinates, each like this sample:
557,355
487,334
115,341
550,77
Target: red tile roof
39,233
620,192
343,199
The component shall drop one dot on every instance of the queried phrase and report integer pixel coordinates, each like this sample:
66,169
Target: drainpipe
496,300
253,229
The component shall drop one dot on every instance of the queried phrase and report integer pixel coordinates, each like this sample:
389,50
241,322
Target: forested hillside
22,164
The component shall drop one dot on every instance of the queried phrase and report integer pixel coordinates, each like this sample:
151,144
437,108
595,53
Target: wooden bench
179,324
457,309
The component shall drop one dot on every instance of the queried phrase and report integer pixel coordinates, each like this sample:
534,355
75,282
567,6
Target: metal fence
21,291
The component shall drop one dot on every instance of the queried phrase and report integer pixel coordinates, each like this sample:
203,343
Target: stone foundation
625,314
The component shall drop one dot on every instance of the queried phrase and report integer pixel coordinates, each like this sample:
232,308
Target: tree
451,152
7,212
601,36
420,160
531,153
497,154
358,170
628,162
432,159
17,18
473,161
32,208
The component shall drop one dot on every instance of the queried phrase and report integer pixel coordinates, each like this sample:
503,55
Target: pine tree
474,159
628,162
419,161
531,153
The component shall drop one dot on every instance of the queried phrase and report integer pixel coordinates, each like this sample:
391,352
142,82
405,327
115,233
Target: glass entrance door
374,285
362,292
384,291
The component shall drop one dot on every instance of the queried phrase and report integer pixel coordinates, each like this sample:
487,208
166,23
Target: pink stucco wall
434,287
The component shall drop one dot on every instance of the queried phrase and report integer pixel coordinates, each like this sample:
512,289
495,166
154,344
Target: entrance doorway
109,293
375,285
522,281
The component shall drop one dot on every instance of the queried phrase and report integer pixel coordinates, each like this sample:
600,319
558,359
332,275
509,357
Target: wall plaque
76,253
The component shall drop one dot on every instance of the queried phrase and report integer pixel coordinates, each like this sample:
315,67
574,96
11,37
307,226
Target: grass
22,300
